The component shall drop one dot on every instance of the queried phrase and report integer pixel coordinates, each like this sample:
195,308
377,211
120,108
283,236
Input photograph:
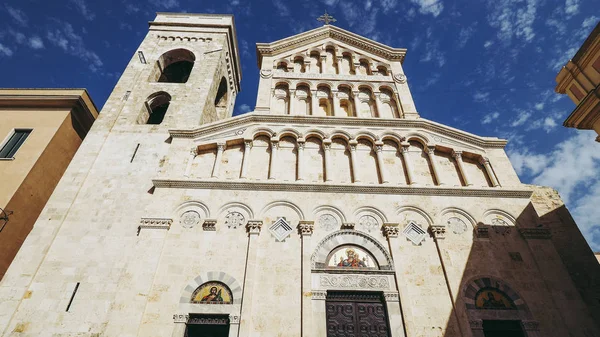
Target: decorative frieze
540,233
209,225
319,294
354,281
348,225
155,223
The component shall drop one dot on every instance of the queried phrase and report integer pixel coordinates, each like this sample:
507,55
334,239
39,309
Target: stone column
292,101
356,104
180,324
380,164
253,228
305,229
461,167
488,169
327,152
246,158
234,325
336,103
408,164
217,166
319,315
393,299
307,64
301,143
353,161
314,100
323,59
273,162
378,104
338,59
188,168
434,165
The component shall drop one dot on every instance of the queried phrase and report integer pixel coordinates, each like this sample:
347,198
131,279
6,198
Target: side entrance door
356,314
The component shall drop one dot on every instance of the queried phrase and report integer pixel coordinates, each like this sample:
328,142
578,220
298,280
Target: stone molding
181,318
336,188
420,123
530,325
348,225
535,233
155,223
332,77
354,282
319,294
391,296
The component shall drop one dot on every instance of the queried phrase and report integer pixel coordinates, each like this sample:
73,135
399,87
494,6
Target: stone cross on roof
326,18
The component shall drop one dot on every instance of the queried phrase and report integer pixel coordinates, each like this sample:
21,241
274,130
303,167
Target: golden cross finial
326,18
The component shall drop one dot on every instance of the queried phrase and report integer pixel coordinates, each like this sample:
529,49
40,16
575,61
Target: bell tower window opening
156,107
221,97
174,66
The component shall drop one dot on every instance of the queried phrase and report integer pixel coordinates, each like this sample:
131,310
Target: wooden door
355,314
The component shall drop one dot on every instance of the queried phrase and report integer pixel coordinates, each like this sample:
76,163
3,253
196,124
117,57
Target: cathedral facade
333,209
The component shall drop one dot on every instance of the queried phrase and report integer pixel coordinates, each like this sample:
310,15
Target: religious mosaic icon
351,257
280,229
457,225
414,233
328,222
368,222
492,298
189,219
212,293
234,219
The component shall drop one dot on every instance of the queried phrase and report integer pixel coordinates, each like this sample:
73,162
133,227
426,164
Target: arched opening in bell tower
174,66
155,108
222,96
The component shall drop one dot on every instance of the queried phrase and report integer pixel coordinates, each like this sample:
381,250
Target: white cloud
36,42
433,7
433,52
5,50
17,15
81,6
573,169
244,108
522,118
481,96
487,119
282,8
539,106
465,34
513,18
389,4
571,7
168,4
488,44
67,39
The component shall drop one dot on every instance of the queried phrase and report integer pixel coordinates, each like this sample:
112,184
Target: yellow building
40,131
580,79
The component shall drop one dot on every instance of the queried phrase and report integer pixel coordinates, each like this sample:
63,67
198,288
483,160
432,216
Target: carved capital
438,232
431,150
319,294
209,225
234,319
253,227
248,143
391,230
301,145
220,147
476,324
484,160
482,231
274,143
405,148
457,155
530,325
181,318
306,227
194,151
539,233
391,296
327,144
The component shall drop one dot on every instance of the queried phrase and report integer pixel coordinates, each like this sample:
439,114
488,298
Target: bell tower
185,73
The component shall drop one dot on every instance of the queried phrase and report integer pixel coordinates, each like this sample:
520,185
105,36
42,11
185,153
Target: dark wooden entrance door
355,314
502,329
207,326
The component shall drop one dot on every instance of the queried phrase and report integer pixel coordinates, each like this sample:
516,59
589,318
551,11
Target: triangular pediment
333,33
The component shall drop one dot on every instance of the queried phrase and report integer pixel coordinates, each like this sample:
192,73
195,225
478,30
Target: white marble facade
270,207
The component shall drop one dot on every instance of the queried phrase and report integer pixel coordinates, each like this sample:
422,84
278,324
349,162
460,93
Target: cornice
340,122
328,31
332,188
586,113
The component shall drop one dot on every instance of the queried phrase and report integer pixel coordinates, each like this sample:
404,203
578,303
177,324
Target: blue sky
486,67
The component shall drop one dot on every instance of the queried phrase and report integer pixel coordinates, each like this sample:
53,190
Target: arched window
299,65
212,292
382,70
155,108
282,66
174,66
